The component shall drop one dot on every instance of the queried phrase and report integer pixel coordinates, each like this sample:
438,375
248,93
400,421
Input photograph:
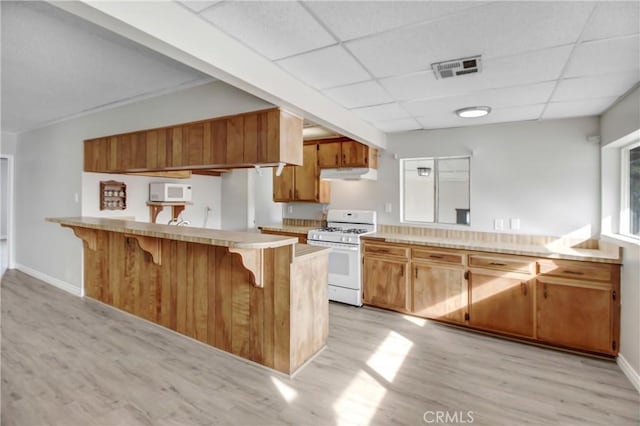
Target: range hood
344,173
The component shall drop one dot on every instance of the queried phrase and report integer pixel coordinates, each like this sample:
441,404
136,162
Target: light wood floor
71,361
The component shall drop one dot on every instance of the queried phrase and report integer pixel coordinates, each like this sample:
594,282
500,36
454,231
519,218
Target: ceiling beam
171,29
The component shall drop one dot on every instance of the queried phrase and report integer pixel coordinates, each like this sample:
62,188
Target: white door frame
10,209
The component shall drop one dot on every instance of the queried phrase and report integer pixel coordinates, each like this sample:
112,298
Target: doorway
6,213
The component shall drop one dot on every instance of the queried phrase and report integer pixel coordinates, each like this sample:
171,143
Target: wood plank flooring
71,361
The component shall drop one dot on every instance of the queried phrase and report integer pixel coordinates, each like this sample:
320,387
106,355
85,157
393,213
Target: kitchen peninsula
260,297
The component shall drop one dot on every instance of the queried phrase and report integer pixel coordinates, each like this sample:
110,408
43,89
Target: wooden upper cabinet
354,154
265,137
330,154
283,185
344,152
302,183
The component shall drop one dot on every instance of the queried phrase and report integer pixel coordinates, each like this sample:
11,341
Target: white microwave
169,192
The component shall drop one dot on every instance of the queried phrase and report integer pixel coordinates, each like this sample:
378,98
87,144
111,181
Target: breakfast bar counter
260,297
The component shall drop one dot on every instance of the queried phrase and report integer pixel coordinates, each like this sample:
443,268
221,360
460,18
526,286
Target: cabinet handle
402,271
290,194
344,159
497,264
435,256
417,274
545,291
337,159
566,271
524,287
379,250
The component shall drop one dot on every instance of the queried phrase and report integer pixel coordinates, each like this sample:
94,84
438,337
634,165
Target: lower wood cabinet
386,283
439,292
565,303
576,314
501,301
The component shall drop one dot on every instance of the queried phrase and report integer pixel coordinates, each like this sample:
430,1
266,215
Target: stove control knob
319,237
350,239
343,239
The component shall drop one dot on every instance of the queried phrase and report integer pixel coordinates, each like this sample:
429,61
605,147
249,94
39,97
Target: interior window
630,219
436,190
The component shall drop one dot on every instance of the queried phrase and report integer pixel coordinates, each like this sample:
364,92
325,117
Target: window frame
624,228
436,190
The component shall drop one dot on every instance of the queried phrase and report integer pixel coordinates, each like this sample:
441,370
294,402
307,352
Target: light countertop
288,228
214,237
305,251
606,253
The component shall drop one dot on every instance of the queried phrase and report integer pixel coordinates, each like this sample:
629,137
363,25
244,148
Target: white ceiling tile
605,56
600,86
539,66
444,119
328,67
198,6
613,19
359,95
381,112
580,108
55,65
495,98
402,125
498,29
275,29
352,19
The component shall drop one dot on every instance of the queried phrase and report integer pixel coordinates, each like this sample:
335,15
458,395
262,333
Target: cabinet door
385,283
501,301
235,140
439,292
306,176
330,154
96,155
575,314
283,184
193,143
354,154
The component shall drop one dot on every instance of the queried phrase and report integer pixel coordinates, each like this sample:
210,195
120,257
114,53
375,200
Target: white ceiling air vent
457,67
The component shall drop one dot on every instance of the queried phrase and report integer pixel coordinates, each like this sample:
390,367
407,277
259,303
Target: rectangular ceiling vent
457,67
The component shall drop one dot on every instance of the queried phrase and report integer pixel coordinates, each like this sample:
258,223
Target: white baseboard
62,285
628,371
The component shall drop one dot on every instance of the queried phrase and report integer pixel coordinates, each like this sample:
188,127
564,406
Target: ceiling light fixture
473,112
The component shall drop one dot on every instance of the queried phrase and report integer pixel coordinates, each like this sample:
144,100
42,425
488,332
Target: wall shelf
113,195
156,207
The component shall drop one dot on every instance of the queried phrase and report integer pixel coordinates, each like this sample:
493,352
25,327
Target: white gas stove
343,232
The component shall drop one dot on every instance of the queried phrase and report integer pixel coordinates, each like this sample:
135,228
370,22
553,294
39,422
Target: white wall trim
628,371
63,285
11,235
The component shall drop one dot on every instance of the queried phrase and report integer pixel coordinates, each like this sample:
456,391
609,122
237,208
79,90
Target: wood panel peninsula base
260,297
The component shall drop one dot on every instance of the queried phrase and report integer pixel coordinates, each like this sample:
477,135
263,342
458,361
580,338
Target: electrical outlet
290,209
514,223
387,207
76,197
498,224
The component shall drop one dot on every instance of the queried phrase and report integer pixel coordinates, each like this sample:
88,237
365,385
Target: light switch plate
290,209
498,224
514,222
387,207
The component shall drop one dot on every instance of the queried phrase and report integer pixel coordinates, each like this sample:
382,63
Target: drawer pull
497,264
379,250
524,287
573,272
435,256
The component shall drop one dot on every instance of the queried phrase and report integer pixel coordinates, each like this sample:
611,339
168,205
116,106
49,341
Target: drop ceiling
56,65
541,60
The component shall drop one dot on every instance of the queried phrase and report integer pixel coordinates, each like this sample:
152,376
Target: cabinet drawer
386,250
437,256
502,263
576,270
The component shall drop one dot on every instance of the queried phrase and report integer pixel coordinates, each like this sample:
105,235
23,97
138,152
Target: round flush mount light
473,112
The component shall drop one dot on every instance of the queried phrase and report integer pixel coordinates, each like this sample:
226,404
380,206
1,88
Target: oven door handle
336,246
